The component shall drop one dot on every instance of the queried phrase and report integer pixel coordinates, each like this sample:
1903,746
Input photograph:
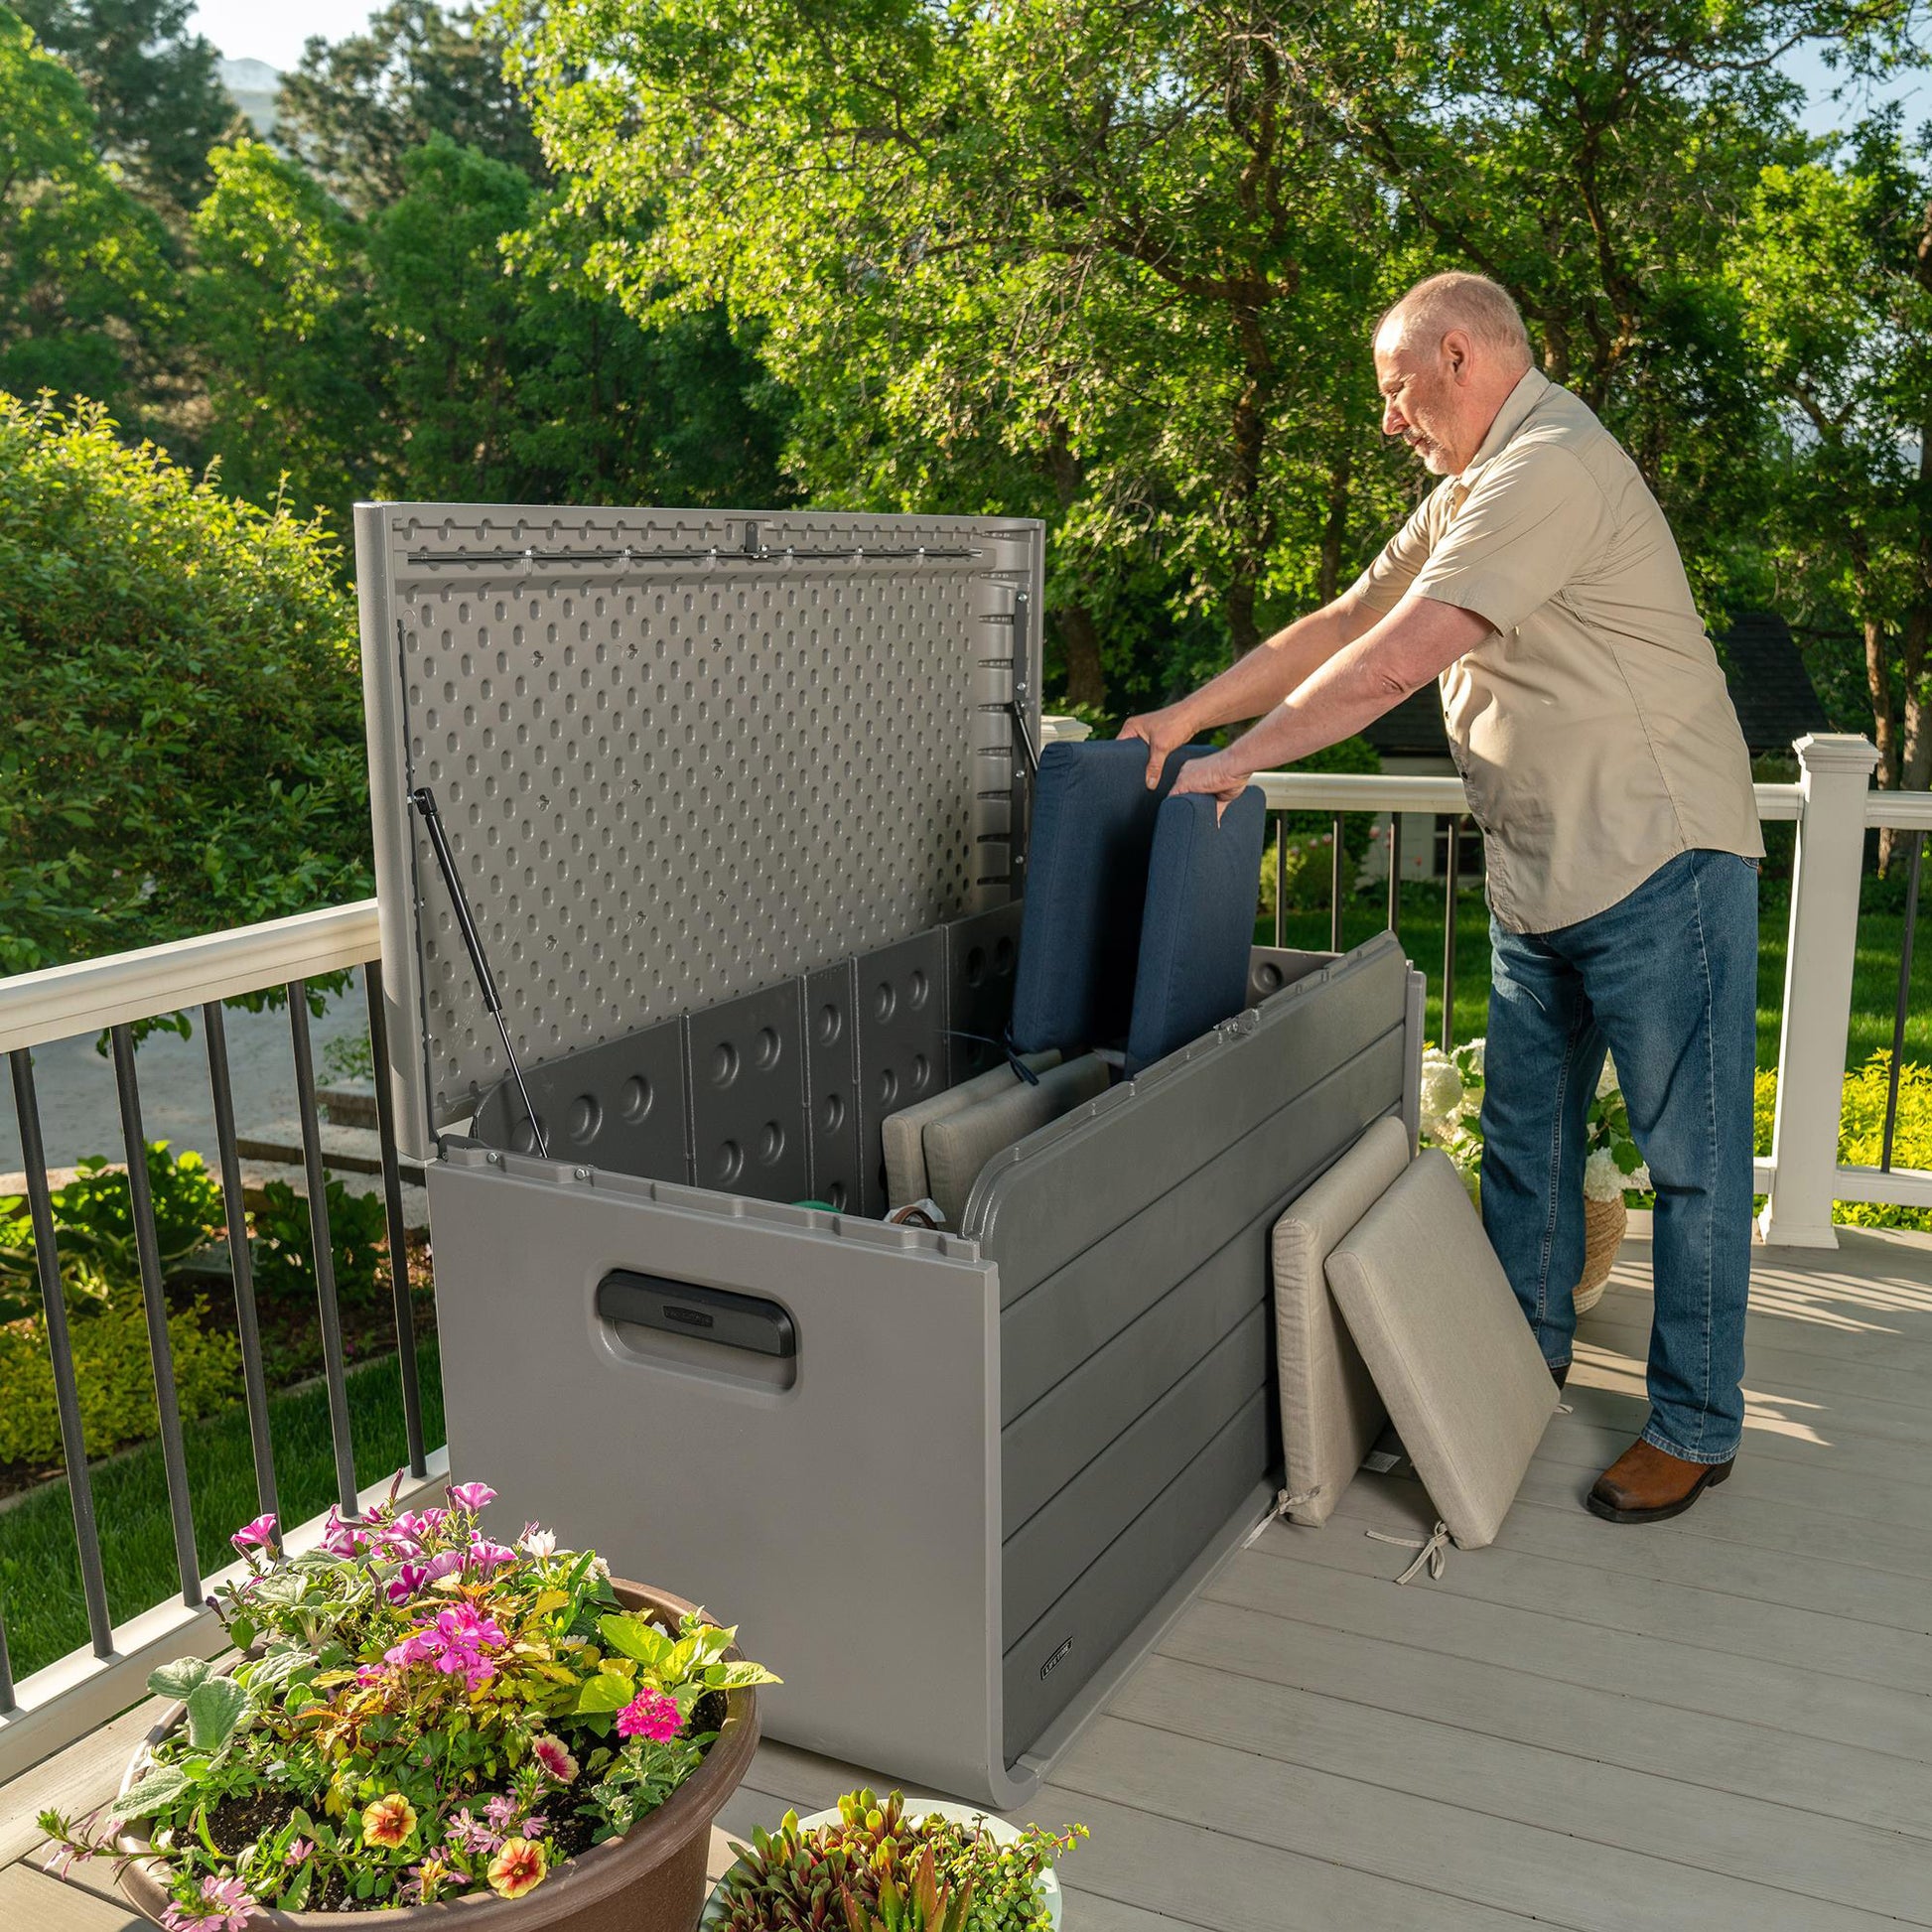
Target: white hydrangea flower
1602,1179
1639,1182
1607,1081
1477,1050
1441,1087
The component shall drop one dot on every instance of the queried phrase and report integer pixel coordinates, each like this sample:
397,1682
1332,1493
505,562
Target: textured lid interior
680,756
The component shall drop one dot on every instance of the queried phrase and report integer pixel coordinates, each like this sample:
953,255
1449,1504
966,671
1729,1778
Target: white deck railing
1833,803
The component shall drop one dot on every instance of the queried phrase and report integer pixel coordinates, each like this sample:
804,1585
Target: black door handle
683,1309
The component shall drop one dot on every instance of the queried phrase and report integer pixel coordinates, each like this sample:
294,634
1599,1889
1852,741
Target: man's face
1424,396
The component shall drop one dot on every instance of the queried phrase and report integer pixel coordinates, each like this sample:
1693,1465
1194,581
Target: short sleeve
1381,585
1533,523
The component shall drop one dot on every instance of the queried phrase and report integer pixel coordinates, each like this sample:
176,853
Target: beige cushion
1428,1306
903,1133
959,1146
1331,1413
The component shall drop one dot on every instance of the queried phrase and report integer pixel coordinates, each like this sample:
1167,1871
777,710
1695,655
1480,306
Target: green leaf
604,1693
637,1639
213,1710
153,1793
176,1680
297,1894
241,1633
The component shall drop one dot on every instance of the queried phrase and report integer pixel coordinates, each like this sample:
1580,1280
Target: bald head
1447,356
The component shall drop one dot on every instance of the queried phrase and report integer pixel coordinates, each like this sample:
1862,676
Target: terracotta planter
1604,1225
652,1880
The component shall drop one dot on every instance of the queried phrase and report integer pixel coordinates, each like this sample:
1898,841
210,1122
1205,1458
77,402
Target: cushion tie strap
1434,1550
1279,1508
1021,1070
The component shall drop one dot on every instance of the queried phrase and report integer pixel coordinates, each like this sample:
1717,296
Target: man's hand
1220,775
1162,732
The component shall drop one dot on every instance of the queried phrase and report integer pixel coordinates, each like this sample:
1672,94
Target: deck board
1725,1721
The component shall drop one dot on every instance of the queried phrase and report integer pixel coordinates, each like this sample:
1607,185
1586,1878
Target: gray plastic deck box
739,801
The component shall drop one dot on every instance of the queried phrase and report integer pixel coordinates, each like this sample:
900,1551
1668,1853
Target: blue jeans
1666,980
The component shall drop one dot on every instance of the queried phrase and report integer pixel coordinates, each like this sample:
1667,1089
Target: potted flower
868,1867
1612,1169
1452,1119
431,1724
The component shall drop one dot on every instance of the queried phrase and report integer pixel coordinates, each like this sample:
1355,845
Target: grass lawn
1874,993
39,1572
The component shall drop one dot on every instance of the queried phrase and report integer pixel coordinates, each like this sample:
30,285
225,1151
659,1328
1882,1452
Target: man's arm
1415,643
1257,684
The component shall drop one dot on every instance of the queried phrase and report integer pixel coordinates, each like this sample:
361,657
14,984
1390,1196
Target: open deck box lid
680,756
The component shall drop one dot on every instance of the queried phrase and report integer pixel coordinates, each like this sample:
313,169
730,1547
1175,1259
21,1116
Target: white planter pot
997,1828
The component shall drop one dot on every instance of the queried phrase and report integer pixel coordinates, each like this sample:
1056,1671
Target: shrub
115,1379
185,743
1309,836
284,1255
93,1227
1861,1132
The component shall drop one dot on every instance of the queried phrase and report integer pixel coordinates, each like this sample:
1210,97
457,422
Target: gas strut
425,802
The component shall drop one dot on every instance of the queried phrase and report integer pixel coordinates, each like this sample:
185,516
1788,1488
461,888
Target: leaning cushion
959,1146
1331,1413
1428,1306
1093,820
1198,925
903,1133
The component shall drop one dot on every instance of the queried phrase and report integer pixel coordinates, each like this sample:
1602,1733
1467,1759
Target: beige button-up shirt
1591,727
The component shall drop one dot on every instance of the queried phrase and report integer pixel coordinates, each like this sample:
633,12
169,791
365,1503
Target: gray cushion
1428,1306
1331,1413
959,1146
903,1133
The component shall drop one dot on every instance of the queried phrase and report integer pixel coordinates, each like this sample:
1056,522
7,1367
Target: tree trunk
1336,527
1086,679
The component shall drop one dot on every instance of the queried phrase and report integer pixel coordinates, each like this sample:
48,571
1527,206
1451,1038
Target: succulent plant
920,1904
873,1870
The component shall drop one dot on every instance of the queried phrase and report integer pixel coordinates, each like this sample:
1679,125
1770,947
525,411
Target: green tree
281,314
1086,259
1834,265
187,745
356,107
1595,157
82,265
155,86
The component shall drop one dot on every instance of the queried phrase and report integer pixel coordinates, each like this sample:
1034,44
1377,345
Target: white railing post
1821,951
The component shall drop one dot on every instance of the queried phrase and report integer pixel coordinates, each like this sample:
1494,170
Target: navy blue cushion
1086,881
1199,924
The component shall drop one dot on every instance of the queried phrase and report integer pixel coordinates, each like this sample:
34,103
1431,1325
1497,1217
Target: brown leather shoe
1646,1485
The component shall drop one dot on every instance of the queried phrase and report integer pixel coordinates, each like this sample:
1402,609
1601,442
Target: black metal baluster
253,1379
386,1127
325,1254
1905,999
174,1460
1335,886
66,1393
1449,934
1280,878
1395,872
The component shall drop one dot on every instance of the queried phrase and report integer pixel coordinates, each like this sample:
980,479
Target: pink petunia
651,1715
258,1535
554,1755
408,1582
469,1833
486,1556
471,1497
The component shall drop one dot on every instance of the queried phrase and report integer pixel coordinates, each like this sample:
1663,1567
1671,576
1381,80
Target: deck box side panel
690,1465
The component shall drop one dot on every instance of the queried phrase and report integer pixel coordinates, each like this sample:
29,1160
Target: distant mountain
253,86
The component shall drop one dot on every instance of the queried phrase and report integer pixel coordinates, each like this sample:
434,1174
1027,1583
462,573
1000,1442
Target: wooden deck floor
1719,1725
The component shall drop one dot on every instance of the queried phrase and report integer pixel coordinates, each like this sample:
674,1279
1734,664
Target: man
1602,760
